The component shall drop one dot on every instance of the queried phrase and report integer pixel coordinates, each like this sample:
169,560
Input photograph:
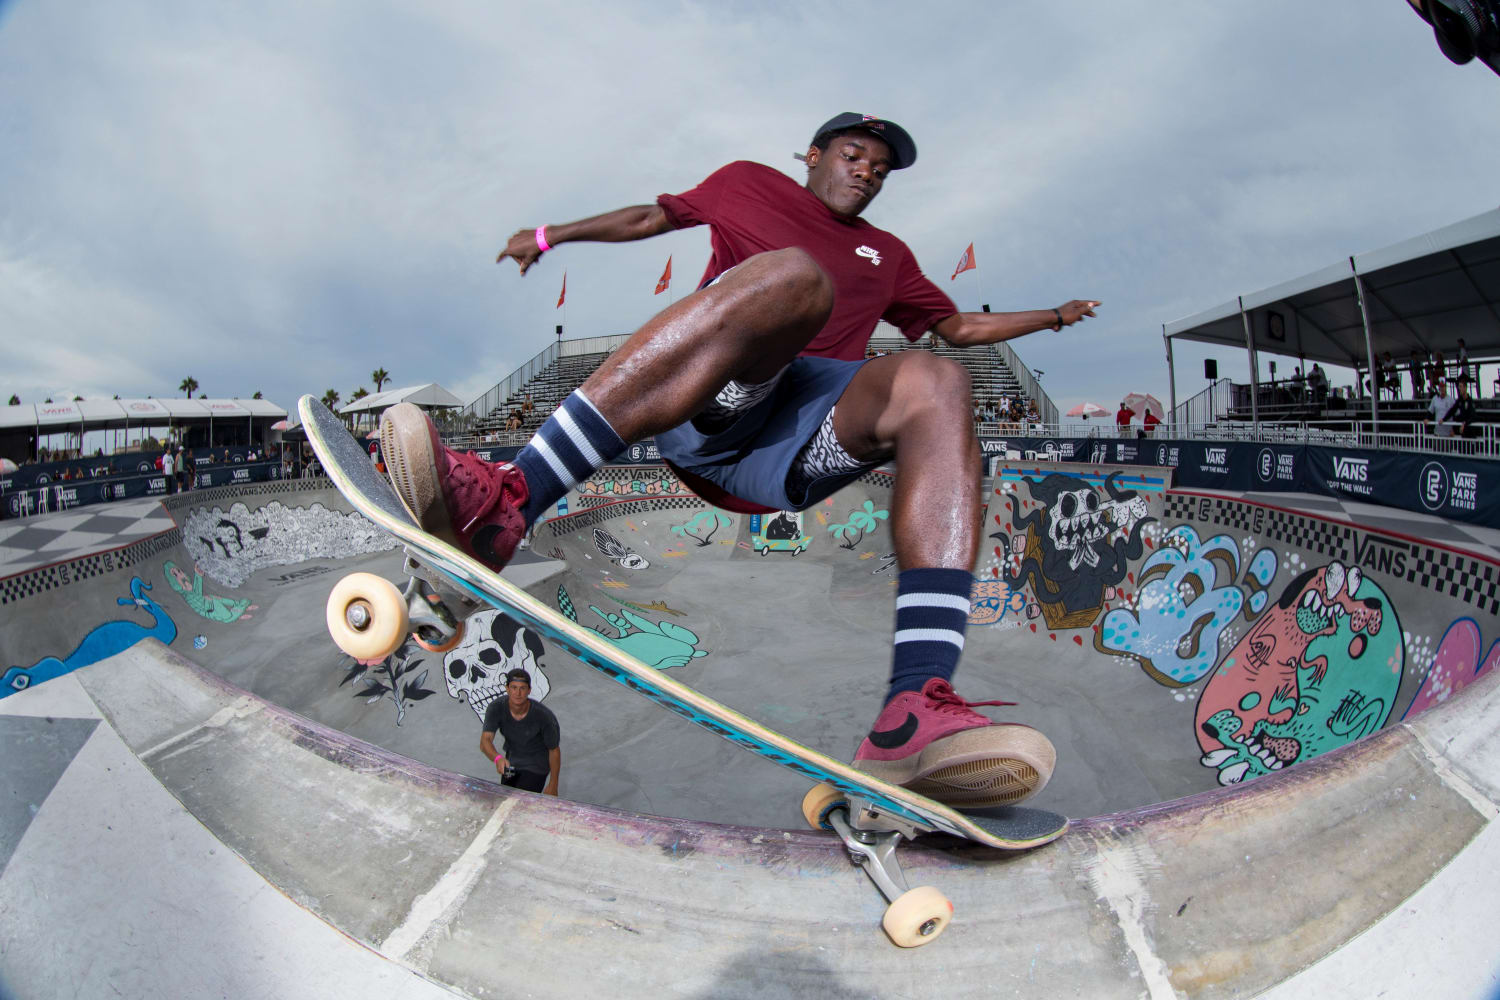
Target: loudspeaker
1210,368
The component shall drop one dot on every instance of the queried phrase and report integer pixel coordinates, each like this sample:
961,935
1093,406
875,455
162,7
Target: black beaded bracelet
1058,314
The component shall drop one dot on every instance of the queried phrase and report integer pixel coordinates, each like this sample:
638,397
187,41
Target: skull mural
494,643
1075,546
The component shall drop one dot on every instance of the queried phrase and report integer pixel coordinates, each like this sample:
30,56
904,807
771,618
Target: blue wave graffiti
104,641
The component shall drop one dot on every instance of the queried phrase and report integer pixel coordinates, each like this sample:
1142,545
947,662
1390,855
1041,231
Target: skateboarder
531,759
758,392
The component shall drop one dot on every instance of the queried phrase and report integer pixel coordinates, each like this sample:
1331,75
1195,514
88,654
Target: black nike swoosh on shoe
890,739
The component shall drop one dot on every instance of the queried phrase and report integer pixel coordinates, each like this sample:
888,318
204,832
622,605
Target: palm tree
380,377
359,393
331,398
15,400
257,394
188,385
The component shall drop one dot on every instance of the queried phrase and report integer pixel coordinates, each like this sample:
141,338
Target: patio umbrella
1086,410
1143,403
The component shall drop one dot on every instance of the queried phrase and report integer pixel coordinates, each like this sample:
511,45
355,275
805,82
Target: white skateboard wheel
816,803
917,916
366,616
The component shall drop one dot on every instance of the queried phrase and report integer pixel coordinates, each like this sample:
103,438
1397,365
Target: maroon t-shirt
751,208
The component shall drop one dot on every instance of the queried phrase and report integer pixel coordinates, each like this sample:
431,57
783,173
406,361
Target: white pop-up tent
1422,294
429,396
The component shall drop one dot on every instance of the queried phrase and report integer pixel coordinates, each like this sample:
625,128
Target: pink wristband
497,758
541,238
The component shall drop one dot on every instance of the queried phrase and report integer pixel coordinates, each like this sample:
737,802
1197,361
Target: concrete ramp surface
1274,719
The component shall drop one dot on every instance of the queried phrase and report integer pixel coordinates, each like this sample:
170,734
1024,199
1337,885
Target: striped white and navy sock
932,611
566,449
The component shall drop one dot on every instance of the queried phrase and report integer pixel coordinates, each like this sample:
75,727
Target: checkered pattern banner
39,581
569,523
1464,578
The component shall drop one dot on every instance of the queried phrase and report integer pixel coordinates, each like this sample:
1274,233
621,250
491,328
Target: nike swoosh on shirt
889,739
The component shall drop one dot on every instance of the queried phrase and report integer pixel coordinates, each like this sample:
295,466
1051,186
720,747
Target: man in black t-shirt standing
531,759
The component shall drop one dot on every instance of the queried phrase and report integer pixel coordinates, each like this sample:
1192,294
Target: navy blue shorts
751,457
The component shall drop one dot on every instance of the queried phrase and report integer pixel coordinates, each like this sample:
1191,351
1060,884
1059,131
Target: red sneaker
472,504
934,743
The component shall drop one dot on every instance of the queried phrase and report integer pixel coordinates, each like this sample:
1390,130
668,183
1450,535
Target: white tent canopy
431,395
1421,294
98,414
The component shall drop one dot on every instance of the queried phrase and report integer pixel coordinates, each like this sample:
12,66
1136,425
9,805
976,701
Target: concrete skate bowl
1274,728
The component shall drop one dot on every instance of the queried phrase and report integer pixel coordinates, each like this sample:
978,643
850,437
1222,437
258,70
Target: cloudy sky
282,197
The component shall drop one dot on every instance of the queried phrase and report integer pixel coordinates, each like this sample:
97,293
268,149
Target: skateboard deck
345,462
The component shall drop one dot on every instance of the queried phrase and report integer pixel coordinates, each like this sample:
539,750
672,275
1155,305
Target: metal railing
1206,406
496,397
1029,385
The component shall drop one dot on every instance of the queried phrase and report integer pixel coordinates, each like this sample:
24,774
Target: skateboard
369,618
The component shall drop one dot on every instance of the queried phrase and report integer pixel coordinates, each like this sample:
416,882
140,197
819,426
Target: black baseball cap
903,149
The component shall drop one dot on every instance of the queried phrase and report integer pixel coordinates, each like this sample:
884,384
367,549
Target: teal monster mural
103,641
223,610
1319,669
657,644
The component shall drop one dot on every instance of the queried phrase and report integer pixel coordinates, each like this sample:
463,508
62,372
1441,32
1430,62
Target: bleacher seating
992,380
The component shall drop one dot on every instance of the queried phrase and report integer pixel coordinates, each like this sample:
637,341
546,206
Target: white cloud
283,198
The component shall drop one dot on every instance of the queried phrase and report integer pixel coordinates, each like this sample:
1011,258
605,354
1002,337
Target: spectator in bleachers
1461,363
1440,410
1317,381
1386,380
1417,368
1464,414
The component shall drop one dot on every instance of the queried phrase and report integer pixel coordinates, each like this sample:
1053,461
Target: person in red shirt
1122,419
1150,420
758,392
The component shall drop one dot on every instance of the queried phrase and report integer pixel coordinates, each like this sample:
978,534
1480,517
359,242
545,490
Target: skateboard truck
433,627
914,916
369,618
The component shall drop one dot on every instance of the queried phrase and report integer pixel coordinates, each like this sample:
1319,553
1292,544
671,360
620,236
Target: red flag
564,293
966,262
665,280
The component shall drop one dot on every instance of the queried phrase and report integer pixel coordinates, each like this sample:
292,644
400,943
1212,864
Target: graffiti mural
103,641
392,678
1186,597
778,532
1075,546
1460,661
702,527
618,552
223,610
632,483
656,644
1319,669
862,521
989,600
229,546
494,643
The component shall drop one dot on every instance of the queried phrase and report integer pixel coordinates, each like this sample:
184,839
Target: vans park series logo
1436,491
